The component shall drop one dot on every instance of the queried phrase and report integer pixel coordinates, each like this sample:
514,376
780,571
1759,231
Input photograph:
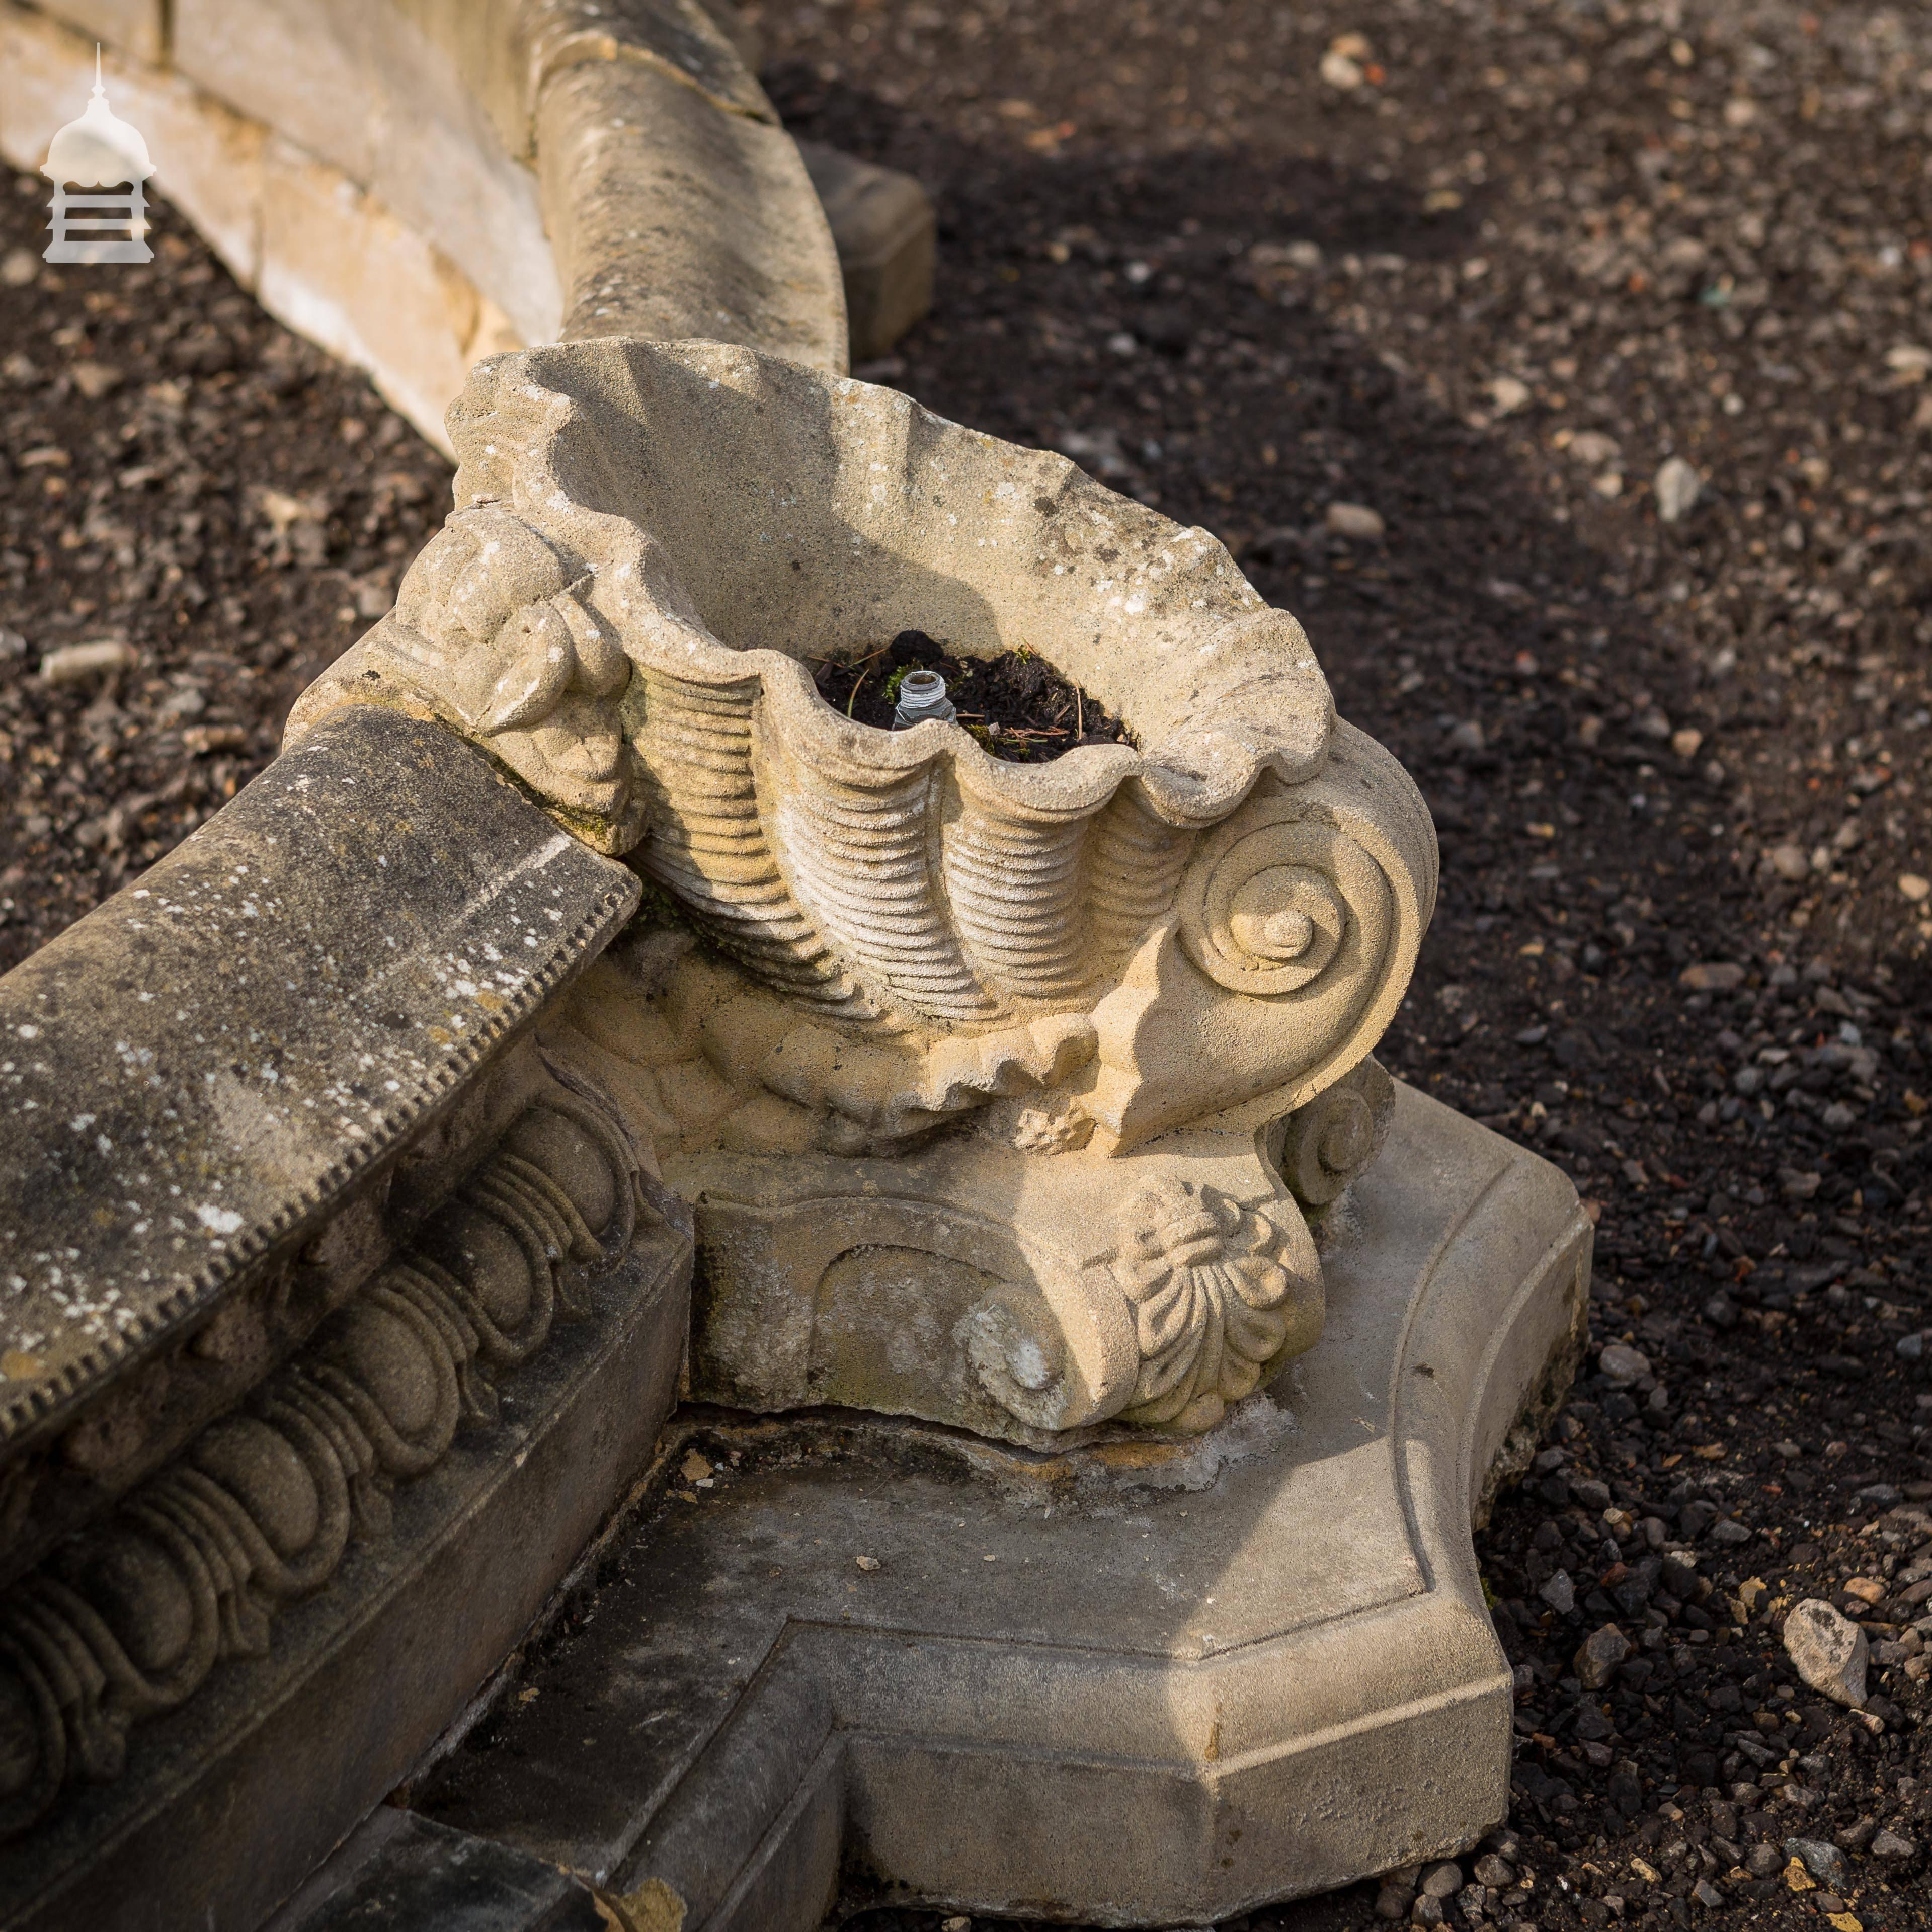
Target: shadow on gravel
1188,329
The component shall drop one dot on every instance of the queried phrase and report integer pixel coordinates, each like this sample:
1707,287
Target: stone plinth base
1131,1684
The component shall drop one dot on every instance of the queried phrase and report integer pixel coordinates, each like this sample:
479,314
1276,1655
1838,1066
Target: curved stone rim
529,143
523,426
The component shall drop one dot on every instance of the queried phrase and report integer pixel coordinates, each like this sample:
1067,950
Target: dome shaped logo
98,151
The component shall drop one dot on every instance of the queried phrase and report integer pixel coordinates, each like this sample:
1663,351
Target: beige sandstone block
368,88
340,268
133,27
208,159
323,256
672,219
883,222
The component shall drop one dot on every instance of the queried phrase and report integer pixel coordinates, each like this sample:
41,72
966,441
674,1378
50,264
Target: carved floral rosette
1212,1285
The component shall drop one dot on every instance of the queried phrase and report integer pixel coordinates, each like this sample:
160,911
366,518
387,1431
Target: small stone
75,664
1678,487
1730,1533
1789,862
959,1922
1427,1911
1797,1878
867,1563
1823,1859
1497,1874
94,379
1340,72
1829,1650
1356,521
1916,887
1686,742
1393,1902
1763,1860
19,268
1442,1881
694,1467
1509,395
1719,977
1911,1347
1466,736
1707,1894
1893,1846
1559,1593
1593,449
1623,1364
1598,1656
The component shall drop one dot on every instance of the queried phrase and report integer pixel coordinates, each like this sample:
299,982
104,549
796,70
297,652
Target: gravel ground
182,479
1564,367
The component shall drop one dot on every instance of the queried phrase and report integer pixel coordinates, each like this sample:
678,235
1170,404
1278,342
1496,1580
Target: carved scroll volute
1297,924
1058,1355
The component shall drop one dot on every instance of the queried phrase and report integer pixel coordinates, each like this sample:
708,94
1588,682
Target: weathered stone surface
1076,961
359,84
884,228
400,1871
222,1806
1830,1651
743,34
344,270
673,218
196,1077
1267,1652
682,40
133,27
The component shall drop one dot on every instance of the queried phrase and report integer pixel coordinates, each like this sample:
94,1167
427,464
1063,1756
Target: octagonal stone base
1129,1685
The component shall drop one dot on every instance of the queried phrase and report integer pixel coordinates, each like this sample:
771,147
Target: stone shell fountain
992,1153
1003,1057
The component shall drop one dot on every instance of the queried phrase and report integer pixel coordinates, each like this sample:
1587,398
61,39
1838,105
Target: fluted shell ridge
728,516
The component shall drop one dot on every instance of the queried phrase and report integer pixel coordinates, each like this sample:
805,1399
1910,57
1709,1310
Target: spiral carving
1270,907
128,1618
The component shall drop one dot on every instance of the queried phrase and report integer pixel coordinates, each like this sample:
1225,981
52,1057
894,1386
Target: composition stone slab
1130,1684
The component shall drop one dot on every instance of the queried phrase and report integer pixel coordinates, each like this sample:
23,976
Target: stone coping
195,1077
416,183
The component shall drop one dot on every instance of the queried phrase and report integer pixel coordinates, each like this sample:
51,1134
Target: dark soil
1486,292
180,475
1016,704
